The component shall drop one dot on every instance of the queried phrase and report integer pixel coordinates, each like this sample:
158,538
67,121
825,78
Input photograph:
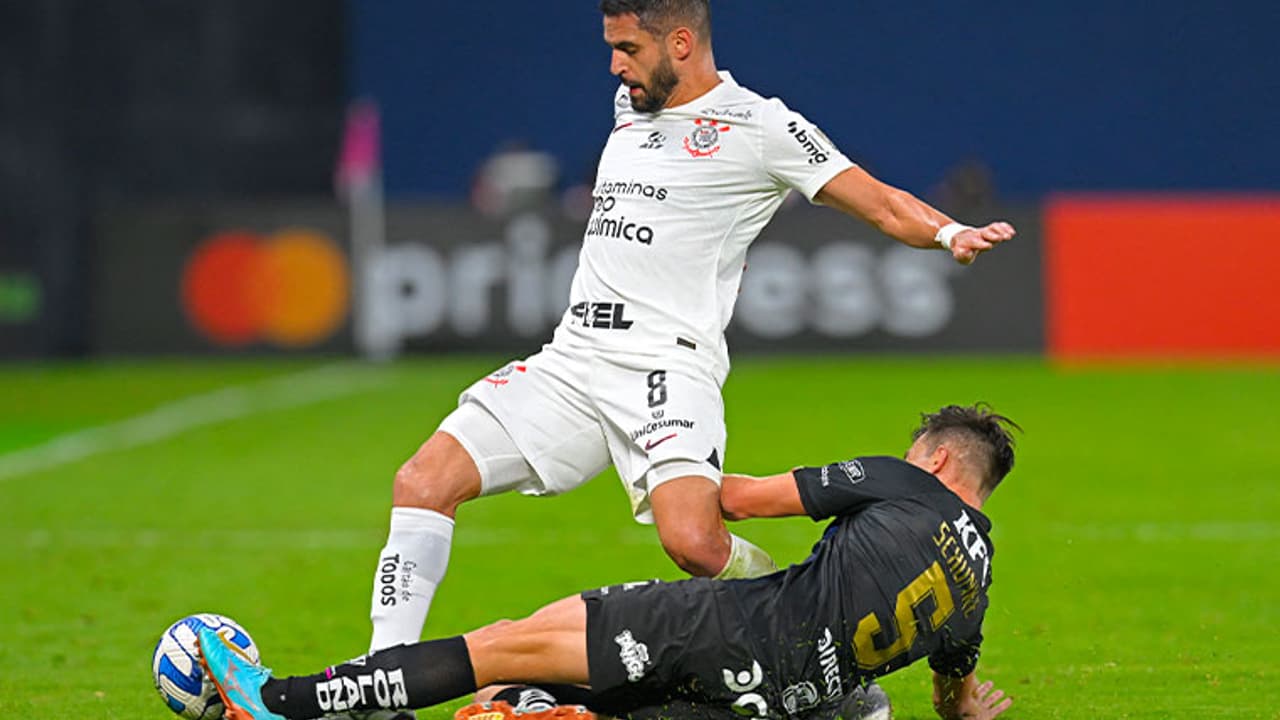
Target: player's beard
658,90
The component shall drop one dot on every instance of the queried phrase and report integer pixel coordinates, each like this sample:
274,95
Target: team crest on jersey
501,377
704,140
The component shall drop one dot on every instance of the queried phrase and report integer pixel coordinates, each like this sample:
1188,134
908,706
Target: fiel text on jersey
601,315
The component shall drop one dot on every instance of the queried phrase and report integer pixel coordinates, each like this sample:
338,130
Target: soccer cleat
499,710
238,680
869,702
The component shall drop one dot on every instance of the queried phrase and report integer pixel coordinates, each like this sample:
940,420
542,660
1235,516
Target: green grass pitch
1137,573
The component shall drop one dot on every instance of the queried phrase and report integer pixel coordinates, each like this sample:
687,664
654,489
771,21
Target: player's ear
939,457
680,43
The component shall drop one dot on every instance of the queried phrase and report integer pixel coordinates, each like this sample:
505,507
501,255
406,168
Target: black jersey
901,573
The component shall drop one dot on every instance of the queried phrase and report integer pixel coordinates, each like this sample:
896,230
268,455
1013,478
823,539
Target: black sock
404,676
544,696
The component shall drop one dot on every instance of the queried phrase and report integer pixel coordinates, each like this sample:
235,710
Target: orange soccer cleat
499,710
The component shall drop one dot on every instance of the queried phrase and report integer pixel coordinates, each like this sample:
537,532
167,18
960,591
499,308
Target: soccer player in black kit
901,573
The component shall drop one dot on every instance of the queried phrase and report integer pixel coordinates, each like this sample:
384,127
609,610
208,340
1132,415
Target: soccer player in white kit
694,168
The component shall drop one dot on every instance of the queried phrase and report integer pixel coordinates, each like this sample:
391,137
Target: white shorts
550,423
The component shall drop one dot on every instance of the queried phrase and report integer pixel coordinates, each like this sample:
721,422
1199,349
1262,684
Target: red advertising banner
1162,276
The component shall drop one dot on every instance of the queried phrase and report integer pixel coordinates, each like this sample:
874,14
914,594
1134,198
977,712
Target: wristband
947,233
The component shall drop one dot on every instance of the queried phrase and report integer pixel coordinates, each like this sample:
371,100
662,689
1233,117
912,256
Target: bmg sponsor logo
811,143
289,288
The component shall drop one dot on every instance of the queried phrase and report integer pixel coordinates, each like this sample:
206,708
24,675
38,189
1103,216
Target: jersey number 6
930,583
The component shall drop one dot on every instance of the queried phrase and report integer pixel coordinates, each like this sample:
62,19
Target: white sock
746,561
409,570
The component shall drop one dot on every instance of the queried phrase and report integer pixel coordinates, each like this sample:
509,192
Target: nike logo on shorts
655,443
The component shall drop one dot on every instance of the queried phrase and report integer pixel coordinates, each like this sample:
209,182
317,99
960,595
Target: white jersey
680,195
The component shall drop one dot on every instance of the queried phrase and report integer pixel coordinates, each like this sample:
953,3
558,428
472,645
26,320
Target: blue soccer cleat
239,680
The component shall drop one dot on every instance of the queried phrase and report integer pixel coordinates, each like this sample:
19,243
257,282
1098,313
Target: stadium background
186,425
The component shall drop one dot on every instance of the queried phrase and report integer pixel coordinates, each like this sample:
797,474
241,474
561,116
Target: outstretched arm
906,218
744,496
965,699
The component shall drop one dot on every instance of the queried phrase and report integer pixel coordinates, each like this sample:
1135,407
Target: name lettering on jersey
830,665
960,545
653,427
749,702
810,141
600,315
704,139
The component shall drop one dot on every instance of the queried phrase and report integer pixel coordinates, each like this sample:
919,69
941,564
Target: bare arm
743,496
965,699
904,217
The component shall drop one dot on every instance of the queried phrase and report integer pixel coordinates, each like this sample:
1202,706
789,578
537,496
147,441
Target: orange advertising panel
1169,276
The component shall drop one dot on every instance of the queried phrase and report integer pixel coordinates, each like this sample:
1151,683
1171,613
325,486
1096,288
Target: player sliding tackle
693,170
900,574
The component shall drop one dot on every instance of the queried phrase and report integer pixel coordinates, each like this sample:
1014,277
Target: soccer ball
175,665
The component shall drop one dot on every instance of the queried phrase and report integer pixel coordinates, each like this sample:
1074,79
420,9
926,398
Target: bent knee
440,476
701,553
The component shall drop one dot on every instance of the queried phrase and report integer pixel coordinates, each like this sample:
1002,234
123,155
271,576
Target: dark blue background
1050,95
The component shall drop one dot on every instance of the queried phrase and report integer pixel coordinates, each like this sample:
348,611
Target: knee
440,476
702,552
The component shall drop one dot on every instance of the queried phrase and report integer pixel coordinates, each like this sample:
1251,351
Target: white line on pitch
177,417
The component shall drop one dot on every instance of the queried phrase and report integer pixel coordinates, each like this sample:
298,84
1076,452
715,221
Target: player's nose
617,63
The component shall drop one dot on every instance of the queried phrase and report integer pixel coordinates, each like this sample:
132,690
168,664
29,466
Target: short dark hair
659,17
983,435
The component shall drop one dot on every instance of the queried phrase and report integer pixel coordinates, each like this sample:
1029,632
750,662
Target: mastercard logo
289,289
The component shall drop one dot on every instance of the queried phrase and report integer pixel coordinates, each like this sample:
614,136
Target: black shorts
674,650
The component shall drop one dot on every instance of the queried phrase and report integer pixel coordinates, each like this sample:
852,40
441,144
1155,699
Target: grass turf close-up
1135,540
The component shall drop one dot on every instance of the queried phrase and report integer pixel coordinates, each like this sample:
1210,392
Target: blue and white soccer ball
176,669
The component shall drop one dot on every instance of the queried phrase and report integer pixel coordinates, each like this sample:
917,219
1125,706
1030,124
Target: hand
967,699
987,702
968,244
